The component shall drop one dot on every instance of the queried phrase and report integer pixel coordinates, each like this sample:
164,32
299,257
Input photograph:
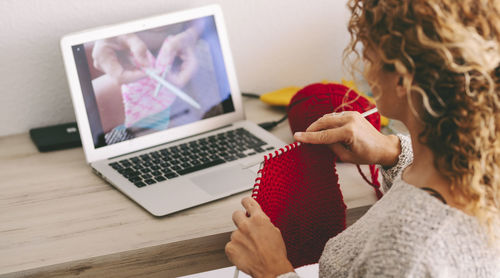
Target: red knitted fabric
298,189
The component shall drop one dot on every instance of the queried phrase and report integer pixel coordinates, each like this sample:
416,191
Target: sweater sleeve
405,158
289,275
388,263
398,247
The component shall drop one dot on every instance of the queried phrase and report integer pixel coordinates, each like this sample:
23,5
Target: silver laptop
159,110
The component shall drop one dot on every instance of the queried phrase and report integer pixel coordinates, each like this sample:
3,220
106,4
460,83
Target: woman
435,66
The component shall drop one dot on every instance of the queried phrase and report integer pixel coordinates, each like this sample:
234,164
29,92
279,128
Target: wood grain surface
58,219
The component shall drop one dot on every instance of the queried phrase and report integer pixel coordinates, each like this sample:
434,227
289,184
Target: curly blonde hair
448,53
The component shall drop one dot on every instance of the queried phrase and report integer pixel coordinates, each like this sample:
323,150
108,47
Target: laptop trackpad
226,180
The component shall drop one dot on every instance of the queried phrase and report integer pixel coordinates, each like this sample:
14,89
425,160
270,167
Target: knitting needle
369,112
151,73
163,75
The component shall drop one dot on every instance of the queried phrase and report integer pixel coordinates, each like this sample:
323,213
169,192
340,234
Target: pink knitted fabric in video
138,97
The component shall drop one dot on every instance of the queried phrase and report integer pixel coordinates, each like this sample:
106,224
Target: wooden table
59,219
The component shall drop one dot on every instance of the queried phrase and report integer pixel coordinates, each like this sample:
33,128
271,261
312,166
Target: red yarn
374,176
298,189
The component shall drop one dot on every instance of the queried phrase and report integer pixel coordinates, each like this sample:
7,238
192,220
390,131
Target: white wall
275,43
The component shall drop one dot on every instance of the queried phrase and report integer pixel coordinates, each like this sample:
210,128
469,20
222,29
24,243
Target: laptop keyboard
171,162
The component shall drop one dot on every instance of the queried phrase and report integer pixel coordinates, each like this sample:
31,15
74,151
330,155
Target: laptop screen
152,80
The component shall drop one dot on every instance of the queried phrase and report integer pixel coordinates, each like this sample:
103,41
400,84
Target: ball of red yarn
316,100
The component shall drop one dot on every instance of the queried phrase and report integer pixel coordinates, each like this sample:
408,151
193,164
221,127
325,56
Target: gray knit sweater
409,233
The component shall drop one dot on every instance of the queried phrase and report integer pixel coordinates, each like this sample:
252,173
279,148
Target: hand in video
180,47
120,58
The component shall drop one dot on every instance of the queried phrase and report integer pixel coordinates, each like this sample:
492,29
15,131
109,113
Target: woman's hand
257,247
182,47
105,57
353,139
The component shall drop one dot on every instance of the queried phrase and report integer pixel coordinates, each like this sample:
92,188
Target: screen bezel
94,154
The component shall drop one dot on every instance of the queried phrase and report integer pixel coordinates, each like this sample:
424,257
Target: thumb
138,50
167,54
142,57
129,76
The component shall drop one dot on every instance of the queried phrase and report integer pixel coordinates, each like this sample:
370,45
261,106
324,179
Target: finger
171,50
329,121
251,206
238,250
142,57
129,76
231,251
187,70
327,136
113,68
114,45
138,50
233,254
167,54
238,217
107,62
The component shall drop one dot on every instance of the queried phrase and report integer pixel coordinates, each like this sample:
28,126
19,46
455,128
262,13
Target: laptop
159,110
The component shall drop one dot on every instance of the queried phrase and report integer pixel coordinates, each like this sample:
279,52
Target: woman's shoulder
420,233
410,233
411,214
